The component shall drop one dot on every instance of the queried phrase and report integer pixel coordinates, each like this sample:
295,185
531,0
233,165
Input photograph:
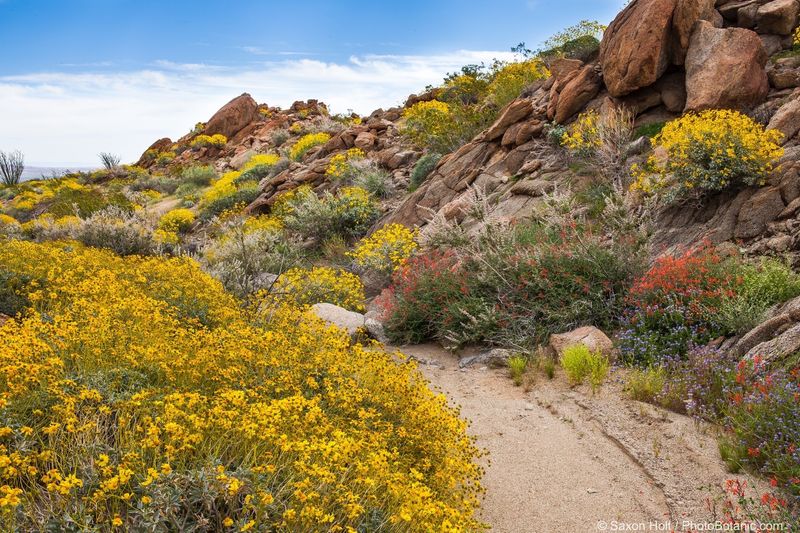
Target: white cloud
70,117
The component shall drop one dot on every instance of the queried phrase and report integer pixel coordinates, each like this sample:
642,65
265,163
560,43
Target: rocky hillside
658,58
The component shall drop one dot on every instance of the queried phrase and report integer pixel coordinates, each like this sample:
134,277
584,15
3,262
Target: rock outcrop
233,117
725,69
635,50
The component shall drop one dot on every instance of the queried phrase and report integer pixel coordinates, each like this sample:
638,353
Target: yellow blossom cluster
387,249
427,120
320,285
259,160
583,135
306,143
222,187
509,81
709,151
177,220
131,389
217,141
339,165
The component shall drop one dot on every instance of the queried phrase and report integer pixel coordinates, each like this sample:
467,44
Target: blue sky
82,76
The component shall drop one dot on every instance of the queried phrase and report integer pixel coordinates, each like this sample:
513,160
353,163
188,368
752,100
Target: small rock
591,491
495,357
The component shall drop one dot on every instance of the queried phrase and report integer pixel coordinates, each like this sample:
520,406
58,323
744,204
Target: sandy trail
562,459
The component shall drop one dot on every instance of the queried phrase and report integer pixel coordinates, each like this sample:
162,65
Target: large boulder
687,13
777,17
635,50
578,92
725,69
589,336
233,116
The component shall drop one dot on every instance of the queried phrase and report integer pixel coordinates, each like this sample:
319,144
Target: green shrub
422,169
306,143
161,184
238,199
580,363
708,152
247,257
348,213
118,230
517,365
198,175
649,130
510,286
645,385
373,179
763,284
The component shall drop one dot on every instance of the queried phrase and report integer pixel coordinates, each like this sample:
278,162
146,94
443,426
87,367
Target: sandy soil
562,459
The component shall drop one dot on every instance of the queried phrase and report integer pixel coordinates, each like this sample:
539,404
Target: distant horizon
67,99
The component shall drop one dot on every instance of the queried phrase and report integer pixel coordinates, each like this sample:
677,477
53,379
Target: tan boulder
515,111
635,50
687,13
578,92
777,17
590,336
787,118
233,116
365,140
725,69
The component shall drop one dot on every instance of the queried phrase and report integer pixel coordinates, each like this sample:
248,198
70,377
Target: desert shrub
430,124
386,250
9,226
580,41
118,230
509,286
762,285
510,79
278,137
199,175
603,141
249,253
162,184
422,169
49,228
306,143
763,416
12,164
340,168
113,394
583,135
708,152
176,221
580,363
674,306
309,286
517,364
109,161
649,130
257,168
348,213
162,158
237,199
369,176
228,193
645,385
699,384
203,141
